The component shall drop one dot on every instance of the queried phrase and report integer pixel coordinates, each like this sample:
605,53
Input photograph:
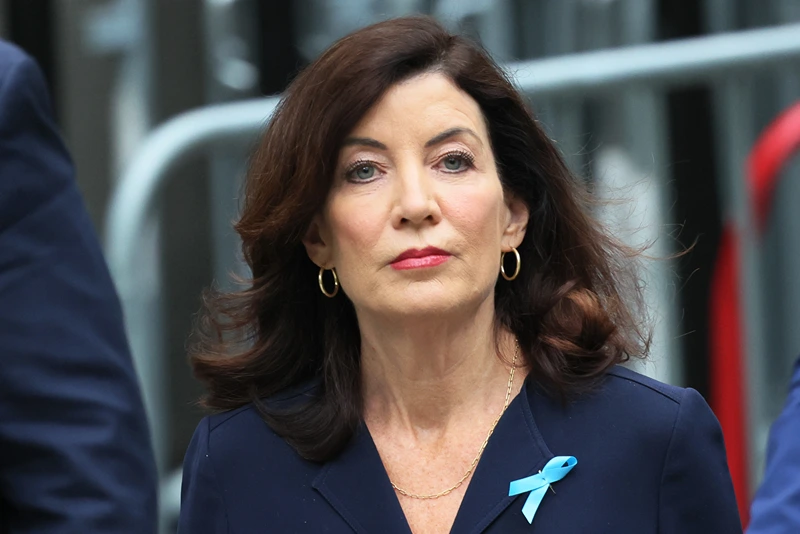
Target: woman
430,339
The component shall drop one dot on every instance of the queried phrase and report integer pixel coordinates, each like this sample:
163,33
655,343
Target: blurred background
161,100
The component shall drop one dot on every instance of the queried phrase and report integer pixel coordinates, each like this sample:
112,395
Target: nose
415,200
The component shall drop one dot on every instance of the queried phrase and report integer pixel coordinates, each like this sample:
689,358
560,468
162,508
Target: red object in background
726,363
728,385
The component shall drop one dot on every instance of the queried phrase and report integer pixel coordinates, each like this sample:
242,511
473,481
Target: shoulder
11,57
18,69
25,106
233,435
668,413
656,403
627,393
656,408
625,411
671,440
622,377
235,463
241,419
632,391
34,164
661,443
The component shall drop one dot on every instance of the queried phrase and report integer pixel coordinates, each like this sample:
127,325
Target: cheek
356,227
477,214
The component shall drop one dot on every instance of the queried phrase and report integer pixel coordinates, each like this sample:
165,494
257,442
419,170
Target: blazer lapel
515,450
357,487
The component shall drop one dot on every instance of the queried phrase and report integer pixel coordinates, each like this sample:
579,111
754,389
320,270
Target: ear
516,223
318,244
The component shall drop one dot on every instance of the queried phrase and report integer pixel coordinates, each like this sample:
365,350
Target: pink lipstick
415,258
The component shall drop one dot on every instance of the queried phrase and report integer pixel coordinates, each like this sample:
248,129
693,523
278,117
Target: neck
420,374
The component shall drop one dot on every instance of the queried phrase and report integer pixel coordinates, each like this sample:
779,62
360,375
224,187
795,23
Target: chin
424,301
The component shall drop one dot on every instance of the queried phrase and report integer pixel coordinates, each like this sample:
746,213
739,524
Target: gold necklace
457,485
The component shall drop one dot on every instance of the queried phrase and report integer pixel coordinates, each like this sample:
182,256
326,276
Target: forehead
424,104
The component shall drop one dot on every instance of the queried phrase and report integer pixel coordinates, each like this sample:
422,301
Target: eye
361,171
364,172
453,163
457,161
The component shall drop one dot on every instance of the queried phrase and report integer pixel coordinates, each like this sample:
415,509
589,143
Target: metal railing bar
168,145
668,63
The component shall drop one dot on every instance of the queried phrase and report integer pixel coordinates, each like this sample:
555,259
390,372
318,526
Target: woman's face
416,218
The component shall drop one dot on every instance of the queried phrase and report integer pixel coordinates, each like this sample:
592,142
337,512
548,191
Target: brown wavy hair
575,307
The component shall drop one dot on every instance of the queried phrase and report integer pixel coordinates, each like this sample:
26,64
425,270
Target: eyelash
468,158
348,173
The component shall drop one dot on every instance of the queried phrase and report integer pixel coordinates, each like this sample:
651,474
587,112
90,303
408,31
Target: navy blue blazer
75,454
650,460
776,507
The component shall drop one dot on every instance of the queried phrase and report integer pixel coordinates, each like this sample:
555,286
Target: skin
433,381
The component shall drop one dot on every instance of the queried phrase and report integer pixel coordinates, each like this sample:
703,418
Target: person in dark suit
75,452
776,506
431,338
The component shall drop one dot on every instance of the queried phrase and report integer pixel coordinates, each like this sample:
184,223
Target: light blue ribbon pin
537,484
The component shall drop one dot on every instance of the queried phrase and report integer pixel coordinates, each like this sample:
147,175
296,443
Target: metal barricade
133,217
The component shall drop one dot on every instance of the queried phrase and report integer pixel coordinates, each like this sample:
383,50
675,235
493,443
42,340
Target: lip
418,258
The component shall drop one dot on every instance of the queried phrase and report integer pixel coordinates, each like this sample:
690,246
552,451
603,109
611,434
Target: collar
357,487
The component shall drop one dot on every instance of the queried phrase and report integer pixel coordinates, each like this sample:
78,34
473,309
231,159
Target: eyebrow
364,141
433,141
447,134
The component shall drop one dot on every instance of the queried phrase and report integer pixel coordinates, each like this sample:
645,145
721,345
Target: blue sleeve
776,507
75,452
696,494
202,508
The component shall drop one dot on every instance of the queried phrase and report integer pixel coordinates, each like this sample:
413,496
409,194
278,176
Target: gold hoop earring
503,267
322,284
